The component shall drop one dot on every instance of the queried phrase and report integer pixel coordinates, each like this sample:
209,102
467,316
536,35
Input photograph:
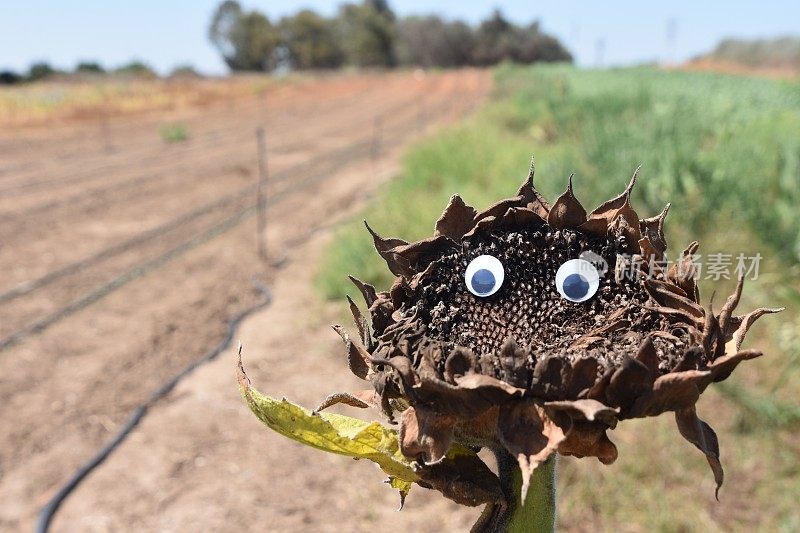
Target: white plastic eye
577,280
484,275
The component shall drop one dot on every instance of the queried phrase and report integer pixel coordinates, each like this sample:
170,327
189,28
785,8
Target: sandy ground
123,259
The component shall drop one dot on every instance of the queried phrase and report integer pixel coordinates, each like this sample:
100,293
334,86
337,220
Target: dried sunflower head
520,328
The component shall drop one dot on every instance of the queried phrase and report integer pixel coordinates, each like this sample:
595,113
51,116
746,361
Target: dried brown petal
426,435
600,219
567,211
722,367
458,218
530,435
701,435
360,399
648,357
583,376
672,392
742,324
366,290
684,272
466,480
589,410
357,356
631,380
653,229
588,439
666,295
536,201
460,362
361,324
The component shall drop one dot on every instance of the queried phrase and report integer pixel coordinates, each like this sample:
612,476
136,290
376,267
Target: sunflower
532,329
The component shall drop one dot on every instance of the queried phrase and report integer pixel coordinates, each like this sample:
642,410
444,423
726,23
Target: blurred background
160,163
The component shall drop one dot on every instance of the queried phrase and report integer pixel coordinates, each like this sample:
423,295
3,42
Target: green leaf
333,433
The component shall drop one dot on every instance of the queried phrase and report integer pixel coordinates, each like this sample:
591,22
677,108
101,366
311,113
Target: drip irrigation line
77,266
153,233
49,510
158,261
340,158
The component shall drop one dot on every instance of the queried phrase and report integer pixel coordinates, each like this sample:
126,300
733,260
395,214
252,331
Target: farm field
128,242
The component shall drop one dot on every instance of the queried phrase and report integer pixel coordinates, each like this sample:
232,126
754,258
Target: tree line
369,34
41,70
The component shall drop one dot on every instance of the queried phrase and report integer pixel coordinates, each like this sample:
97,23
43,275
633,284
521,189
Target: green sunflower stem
537,514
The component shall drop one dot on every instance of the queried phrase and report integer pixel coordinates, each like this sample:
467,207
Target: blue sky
166,33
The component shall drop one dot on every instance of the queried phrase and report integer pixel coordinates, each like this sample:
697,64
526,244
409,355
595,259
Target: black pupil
576,286
483,281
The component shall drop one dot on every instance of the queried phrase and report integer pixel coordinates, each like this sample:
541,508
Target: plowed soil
124,257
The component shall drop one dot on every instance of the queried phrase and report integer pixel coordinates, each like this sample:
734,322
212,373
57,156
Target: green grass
725,151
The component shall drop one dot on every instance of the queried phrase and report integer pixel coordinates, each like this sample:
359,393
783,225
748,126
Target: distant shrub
174,133
136,68
185,71
41,70
89,67
9,77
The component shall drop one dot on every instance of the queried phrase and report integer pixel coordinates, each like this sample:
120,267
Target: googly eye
484,275
577,280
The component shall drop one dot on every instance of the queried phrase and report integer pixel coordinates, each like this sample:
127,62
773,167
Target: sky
168,33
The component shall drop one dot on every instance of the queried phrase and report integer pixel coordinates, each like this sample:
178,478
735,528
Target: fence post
261,194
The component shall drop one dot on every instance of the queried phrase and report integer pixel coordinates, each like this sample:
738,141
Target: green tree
431,42
498,39
532,45
39,71
367,31
246,40
494,40
311,41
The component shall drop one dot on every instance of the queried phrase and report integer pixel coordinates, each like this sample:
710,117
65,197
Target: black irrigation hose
49,510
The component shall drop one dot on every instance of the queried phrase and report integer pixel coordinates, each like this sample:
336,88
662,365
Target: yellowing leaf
333,433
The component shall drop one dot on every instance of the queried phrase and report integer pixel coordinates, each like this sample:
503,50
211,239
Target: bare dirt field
125,256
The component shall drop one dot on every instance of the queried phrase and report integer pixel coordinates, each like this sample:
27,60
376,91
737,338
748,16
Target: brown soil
785,72
102,218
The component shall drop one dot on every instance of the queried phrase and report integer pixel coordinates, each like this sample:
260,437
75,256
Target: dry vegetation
48,102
